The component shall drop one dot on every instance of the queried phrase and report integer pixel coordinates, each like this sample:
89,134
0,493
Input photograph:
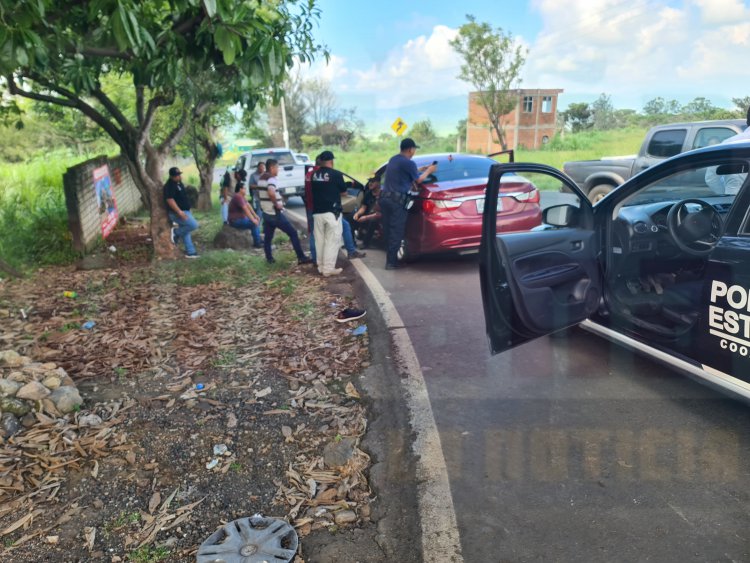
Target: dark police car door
540,281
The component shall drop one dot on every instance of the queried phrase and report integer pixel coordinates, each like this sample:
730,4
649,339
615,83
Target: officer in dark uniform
400,175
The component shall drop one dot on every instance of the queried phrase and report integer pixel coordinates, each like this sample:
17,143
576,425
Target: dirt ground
224,389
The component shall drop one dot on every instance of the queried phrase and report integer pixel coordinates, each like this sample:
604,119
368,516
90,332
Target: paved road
570,448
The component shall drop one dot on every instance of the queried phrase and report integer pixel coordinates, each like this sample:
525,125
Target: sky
392,59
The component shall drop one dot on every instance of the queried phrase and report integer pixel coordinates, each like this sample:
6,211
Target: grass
148,554
234,268
33,217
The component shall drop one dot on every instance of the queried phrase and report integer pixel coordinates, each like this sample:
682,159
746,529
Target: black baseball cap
325,156
174,171
408,143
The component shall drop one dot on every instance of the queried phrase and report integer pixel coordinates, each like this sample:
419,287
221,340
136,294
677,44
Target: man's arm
274,198
249,212
172,204
426,172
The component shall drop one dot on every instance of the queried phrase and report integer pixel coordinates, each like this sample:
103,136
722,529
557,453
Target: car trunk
465,199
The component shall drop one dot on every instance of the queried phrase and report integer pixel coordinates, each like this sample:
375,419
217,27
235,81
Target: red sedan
447,212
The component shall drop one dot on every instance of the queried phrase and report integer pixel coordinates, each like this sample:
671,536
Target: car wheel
598,192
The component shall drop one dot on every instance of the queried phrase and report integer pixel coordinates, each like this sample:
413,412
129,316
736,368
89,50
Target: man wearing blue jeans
178,211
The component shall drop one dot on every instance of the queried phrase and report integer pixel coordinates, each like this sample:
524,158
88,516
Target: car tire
598,192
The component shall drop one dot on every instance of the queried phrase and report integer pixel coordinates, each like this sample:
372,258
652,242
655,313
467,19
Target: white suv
291,174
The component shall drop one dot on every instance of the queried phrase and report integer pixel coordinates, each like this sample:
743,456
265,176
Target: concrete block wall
84,216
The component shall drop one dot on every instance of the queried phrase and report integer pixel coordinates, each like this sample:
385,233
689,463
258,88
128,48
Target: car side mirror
561,215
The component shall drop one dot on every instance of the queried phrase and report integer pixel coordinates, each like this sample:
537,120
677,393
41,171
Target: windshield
284,158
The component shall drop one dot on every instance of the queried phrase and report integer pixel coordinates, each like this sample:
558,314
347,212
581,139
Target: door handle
576,245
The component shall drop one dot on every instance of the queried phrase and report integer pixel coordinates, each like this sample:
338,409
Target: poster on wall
105,199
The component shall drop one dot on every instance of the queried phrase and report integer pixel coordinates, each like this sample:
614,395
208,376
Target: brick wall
522,128
84,216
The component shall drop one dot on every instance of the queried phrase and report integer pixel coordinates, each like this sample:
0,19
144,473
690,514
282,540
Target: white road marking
440,538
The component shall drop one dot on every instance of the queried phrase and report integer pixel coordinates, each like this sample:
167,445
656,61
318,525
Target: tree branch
16,91
139,99
113,110
175,135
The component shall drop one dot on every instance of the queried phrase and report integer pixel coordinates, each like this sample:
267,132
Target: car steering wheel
695,233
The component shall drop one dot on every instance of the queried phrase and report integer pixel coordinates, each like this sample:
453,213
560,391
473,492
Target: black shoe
258,246
357,254
391,266
305,260
271,260
194,255
350,315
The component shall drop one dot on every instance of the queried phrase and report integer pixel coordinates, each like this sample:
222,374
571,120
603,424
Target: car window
451,169
240,163
708,136
284,158
711,183
667,143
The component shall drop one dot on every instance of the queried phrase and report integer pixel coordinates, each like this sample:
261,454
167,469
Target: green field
33,218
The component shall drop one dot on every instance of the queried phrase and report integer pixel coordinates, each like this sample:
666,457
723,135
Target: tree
423,131
578,116
492,64
60,52
603,113
743,106
660,107
321,106
294,105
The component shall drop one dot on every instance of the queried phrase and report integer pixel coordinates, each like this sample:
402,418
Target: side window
240,163
667,143
528,104
717,185
708,136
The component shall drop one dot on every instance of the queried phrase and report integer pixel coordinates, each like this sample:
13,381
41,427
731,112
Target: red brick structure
530,125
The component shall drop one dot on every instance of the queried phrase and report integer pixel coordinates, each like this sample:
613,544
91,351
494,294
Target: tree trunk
206,167
204,192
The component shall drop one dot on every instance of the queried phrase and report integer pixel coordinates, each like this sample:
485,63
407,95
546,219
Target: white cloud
722,12
423,68
641,48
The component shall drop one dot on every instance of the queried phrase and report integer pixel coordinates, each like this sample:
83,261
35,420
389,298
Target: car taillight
528,197
439,205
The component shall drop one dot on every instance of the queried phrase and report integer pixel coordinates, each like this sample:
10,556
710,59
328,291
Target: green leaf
22,57
226,44
210,6
122,15
119,32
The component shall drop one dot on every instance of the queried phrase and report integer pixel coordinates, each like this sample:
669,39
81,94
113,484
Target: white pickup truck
291,174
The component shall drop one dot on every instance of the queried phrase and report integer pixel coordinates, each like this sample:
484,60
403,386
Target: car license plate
480,205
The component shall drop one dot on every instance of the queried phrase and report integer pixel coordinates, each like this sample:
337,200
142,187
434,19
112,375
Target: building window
547,104
528,104
545,139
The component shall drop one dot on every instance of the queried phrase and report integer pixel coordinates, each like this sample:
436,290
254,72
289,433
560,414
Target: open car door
536,282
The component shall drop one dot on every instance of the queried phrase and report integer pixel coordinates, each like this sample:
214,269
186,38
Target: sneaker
194,255
173,235
357,254
334,272
305,260
350,315
271,260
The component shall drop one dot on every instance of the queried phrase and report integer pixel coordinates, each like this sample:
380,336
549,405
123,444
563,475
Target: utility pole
285,132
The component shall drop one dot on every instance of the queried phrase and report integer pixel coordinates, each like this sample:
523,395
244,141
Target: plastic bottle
70,294
88,325
199,313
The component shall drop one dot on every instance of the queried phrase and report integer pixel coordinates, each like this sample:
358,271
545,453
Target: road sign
399,126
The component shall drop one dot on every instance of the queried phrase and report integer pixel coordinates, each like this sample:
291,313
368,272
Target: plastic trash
199,313
199,386
88,325
360,330
220,449
213,463
70,294
113,248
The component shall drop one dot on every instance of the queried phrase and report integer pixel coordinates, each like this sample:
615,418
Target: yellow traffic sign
399,126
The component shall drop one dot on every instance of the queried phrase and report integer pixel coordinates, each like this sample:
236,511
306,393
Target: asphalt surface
570,448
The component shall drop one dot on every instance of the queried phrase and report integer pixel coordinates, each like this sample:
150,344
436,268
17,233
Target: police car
661,265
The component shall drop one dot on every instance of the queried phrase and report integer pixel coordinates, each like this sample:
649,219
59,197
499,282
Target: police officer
400,175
